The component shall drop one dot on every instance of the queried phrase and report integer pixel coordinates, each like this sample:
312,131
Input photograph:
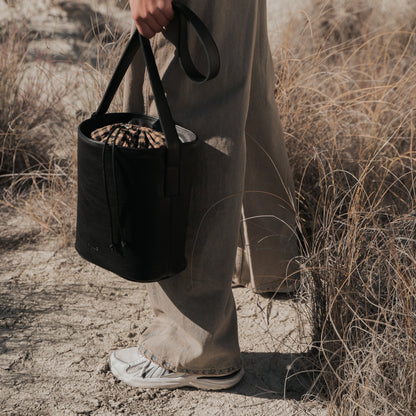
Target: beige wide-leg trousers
242,166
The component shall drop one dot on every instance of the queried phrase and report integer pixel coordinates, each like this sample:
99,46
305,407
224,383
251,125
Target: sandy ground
60,317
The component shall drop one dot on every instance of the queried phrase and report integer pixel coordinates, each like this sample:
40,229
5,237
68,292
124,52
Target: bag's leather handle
166,121
168,126
208,44
185,15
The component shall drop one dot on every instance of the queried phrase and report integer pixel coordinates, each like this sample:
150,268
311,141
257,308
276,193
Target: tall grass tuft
19,109
38,124
36,156
347,92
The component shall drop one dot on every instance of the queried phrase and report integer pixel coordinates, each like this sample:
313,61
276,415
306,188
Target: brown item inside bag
130,135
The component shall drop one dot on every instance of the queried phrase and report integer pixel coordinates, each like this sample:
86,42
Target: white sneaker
130,366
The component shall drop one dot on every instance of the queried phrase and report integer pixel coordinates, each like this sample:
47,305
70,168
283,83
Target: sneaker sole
172,382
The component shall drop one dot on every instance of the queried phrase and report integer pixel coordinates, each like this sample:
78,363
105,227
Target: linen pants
242,165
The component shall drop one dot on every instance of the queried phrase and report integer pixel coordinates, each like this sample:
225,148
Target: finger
167,11
160,18
151,22
145,29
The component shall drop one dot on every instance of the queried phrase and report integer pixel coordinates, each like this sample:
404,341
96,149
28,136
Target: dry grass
34,177
23,115
347,88
38,126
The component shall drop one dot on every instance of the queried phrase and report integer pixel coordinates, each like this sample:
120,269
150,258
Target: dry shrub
22,113
38,125
347,92
36,164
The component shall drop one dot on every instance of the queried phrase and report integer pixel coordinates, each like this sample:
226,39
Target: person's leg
195,327
268,245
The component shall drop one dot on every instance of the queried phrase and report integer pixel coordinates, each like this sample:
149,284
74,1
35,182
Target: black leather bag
133,204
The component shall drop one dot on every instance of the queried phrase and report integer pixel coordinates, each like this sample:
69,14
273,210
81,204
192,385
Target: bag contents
130,135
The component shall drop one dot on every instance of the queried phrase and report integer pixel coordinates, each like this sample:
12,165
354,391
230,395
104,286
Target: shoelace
151,369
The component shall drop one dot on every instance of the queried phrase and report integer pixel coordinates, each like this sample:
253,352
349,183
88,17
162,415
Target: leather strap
185,15
166,121
210,48
118,75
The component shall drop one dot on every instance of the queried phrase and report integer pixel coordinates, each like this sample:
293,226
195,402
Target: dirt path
60,317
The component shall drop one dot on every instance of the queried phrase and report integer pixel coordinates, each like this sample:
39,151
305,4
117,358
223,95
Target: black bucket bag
133,203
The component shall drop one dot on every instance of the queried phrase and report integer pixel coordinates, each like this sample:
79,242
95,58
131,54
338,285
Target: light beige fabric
235,115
